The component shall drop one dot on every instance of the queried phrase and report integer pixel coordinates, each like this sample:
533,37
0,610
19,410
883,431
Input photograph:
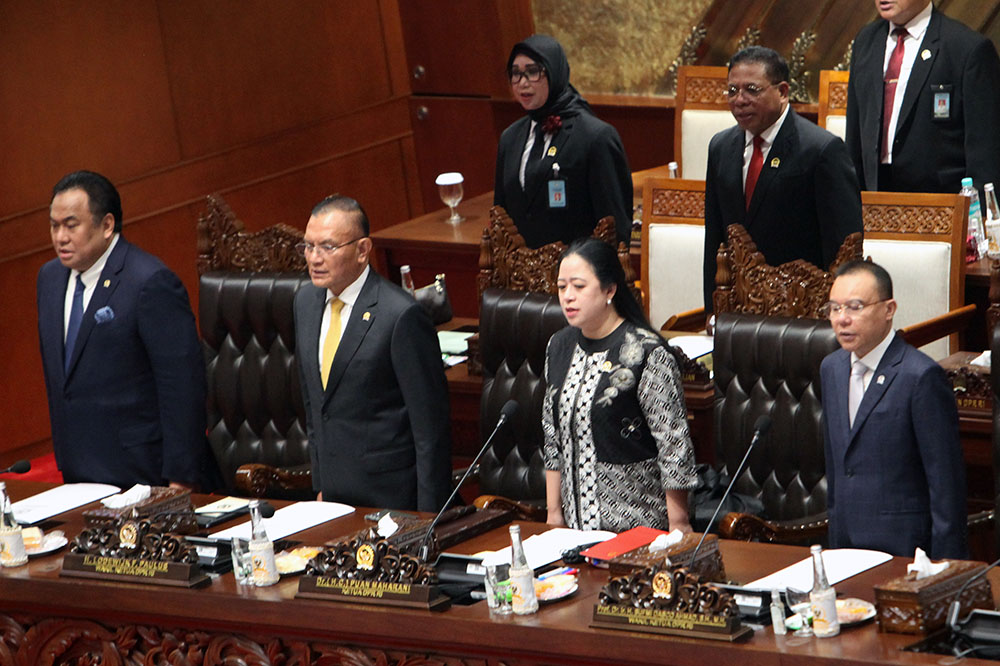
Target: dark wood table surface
270,624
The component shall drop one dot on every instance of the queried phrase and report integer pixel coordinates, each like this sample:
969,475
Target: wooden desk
44,614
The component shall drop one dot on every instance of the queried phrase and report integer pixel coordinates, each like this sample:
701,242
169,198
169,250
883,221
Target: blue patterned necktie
75,317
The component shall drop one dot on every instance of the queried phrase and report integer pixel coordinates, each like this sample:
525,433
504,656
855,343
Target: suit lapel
312,322
783,145
535,180
52,312
106,284
731,175
884,375
921,70
841,419
363,314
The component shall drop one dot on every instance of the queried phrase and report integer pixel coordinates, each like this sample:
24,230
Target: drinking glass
498,591
242,562
450,188
799,602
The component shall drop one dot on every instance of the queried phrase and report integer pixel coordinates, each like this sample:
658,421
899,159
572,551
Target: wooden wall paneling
240,71
454,134
395,49
84,85
841,22
726,27
647,132
414,194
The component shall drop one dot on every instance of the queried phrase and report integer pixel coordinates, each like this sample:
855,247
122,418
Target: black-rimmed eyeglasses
533,73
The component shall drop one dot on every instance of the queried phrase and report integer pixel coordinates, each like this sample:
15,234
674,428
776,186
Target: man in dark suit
123,366
371,372
787,181
894,467
922,117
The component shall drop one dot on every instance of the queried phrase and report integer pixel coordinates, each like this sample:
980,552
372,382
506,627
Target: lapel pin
881,379
775,162
552,151
925,54
366,316
107,283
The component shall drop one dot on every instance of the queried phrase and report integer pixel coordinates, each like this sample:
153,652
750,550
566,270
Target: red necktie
890,80
753,171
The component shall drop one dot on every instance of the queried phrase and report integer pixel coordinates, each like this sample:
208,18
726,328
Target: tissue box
906,605
708,564
161,499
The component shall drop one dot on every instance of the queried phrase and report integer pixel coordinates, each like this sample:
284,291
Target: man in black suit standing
375,393
787,181
923,102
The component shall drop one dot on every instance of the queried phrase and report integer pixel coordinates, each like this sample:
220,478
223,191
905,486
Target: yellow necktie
332,339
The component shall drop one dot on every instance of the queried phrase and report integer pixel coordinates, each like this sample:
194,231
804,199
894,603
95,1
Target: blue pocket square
104,315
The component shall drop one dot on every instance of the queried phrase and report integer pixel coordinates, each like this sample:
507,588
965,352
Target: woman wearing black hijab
559,169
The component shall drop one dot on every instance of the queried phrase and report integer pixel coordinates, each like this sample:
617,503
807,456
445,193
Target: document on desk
840,563
547,547
60,499
289,520
454,342
693,346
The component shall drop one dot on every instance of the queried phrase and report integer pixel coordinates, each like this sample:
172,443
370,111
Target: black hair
347,205
883,281
603,259
103,196
774,65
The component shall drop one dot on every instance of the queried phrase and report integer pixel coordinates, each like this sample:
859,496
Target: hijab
563,100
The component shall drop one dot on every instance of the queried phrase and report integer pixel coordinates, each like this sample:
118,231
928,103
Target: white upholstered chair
701,111
833,101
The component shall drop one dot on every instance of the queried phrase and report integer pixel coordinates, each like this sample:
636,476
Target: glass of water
242,562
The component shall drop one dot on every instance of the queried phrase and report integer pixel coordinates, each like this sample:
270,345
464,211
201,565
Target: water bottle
977,238
777,614
406,279
265,571
522,577
992,222
823,598
12,552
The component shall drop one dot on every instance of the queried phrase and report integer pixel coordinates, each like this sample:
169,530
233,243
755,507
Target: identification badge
557,194
942,102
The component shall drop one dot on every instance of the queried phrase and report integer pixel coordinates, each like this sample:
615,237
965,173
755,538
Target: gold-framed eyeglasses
532,72
852,307
304,248
751,90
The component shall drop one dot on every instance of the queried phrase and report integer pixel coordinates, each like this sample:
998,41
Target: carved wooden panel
838,96
745,283
678,203
27,641
705,90
908,219
224,245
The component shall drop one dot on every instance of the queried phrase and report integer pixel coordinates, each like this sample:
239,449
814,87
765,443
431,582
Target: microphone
956,605
760,428
507,412
20,467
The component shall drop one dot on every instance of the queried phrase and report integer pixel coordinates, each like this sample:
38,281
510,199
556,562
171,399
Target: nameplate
677,623
372,592
133,570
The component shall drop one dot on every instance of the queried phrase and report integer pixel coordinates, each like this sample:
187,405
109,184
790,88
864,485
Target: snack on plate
294,561
32,538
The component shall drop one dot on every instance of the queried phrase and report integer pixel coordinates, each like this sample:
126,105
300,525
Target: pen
560,571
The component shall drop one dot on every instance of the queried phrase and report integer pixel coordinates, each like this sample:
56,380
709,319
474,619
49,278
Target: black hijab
563,100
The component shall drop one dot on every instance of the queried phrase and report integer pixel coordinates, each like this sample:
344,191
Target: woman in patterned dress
617,451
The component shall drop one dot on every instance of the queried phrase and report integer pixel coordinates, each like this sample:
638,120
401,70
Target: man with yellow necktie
370,368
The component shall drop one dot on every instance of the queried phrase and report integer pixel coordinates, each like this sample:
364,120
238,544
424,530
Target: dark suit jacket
928,155
591,160
132,408
897,479
805,203
379,434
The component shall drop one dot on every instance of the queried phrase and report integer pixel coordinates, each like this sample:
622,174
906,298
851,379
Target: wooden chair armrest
524,510
255,479
920,334
456,475
746,527
692,320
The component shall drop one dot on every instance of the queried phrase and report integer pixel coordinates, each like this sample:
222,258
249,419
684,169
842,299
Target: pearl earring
609,301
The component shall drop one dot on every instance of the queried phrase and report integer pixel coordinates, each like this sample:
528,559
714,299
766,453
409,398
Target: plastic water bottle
522,577
406,279
992,222
977,237
12,552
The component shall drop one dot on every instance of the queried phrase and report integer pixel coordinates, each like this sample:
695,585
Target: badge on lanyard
942,102
557,189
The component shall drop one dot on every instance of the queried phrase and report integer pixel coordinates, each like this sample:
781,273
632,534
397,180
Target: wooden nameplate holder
135,550
661,600
368,569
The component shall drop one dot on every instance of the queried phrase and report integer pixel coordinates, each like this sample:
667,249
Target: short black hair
103,196
883,281
774,65
347,205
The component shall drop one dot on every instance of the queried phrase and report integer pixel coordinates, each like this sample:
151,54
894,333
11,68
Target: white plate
854,611
51,542
554,588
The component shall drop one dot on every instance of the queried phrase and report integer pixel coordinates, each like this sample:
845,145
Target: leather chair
514,331
770,365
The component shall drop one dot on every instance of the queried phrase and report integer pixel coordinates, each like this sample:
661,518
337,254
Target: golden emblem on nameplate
365,557
663,585
128,534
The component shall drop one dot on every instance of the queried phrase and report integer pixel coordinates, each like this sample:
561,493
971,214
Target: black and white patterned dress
616,428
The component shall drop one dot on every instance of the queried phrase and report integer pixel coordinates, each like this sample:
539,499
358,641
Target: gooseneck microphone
760,428
956,605
20,467
507,412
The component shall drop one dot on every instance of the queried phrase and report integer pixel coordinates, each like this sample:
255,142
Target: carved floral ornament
678,203
908,219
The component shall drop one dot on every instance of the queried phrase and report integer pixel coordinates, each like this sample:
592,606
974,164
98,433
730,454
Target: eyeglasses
751,90
304,248
532,72
831,309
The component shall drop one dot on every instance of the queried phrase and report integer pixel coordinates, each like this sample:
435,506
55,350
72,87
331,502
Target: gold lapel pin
925,54
107,283
775,163
366,316
552,151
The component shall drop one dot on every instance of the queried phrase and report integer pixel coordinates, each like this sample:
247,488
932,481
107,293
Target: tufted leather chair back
514,330
770,365
995,381
255,409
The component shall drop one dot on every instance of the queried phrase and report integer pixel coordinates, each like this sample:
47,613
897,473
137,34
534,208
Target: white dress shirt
768,137
528,145
916,29
89,278
348,296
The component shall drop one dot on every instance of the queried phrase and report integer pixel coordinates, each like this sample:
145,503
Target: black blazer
379,433
805,203
591,160
929,155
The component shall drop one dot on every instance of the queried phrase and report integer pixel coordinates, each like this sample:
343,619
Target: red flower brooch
552,124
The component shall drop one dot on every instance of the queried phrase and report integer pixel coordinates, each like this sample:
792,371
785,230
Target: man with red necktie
923,102
788,182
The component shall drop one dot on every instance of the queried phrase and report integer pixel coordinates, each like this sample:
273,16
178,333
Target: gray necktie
857,390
